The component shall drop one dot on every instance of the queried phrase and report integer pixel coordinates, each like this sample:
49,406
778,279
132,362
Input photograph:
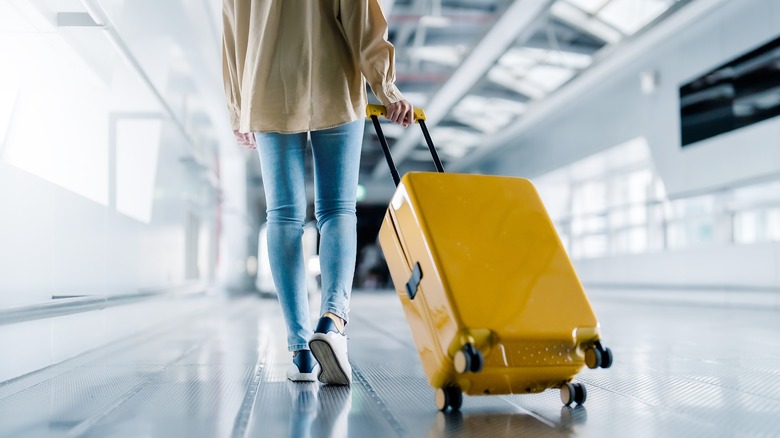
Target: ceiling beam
519,21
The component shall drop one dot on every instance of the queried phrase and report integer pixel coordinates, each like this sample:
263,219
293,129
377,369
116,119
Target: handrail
69,306
740,208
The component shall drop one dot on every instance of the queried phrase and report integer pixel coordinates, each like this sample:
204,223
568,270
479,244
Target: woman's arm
366,30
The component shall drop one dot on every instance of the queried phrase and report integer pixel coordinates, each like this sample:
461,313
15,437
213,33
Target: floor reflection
459,424
319,411
573,416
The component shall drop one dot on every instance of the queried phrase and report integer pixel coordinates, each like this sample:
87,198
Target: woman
292,69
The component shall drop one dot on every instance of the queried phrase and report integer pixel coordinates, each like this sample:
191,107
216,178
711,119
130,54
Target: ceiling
479,66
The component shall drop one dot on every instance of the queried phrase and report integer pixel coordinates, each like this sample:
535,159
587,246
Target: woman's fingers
245,139
401,112
409,116
392,110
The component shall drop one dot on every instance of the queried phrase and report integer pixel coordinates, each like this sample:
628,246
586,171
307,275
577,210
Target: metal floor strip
244,413
391,419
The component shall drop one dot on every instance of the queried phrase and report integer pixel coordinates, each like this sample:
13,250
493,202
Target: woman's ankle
340,323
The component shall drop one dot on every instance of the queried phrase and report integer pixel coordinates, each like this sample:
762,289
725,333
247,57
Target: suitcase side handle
374,111
414,281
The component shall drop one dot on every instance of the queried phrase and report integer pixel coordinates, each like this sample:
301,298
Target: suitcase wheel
468,359
593,358
606,358
573,393
449,397
598,356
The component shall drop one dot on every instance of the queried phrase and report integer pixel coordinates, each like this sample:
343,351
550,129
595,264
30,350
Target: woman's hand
245,139
401,112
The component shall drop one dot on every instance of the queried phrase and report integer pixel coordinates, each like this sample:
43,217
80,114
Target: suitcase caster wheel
593,358
449,397
598,356
606,358
468,359
573,393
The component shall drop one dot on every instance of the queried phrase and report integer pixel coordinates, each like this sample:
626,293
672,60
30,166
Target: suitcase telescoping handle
374,111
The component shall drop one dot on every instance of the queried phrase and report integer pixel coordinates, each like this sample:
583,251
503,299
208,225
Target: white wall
107,168
735,267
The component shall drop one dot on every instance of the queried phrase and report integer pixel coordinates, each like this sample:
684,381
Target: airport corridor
220,372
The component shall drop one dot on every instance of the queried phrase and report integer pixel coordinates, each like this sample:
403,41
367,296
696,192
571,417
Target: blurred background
649,127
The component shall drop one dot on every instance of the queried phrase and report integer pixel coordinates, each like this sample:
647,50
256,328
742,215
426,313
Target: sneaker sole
331,372
302,377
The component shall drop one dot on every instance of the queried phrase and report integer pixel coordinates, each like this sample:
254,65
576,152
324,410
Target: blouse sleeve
365,28
231,61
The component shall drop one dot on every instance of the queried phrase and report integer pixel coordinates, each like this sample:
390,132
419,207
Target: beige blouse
301,65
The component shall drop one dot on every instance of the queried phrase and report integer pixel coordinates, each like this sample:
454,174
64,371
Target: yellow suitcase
492,299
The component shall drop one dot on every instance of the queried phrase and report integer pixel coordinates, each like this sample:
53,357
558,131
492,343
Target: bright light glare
313,265
137,148
361,193
251,265
59,128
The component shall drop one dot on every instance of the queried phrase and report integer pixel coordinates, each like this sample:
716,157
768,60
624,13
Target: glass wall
108,151
614,203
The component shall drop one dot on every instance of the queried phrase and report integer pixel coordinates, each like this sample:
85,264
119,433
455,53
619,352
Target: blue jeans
336,153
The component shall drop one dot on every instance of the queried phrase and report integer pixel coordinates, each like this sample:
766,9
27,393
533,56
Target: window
606,203
614,203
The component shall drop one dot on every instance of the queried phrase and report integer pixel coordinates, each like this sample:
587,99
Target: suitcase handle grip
381,111
374,111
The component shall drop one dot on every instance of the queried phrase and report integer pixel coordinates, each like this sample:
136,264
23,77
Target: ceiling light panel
502,76
549,77
590,6
487,114
515,58
450,56
577,61
629,16
580,19
454,142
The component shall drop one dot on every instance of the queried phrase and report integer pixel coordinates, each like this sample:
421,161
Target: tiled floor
679,371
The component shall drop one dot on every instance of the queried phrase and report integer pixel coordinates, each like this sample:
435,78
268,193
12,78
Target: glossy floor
679,371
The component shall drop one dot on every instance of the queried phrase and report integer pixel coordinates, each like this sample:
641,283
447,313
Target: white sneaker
329,347
304,367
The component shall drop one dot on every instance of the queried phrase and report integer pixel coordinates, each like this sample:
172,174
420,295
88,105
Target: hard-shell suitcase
492,299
